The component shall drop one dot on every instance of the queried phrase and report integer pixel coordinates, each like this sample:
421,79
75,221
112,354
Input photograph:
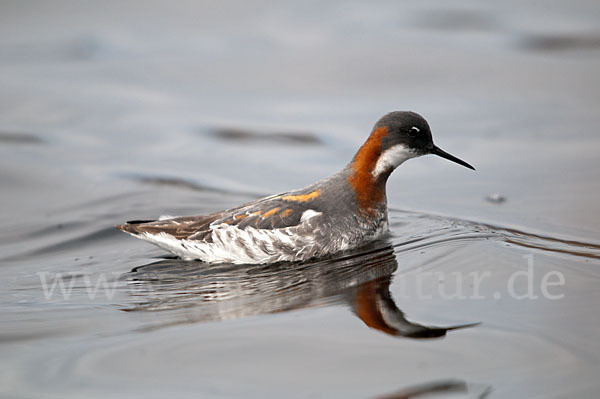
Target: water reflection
193,292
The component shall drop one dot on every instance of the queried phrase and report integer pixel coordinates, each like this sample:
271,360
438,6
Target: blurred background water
111,111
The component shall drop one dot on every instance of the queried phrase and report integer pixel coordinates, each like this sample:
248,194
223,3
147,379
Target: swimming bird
335,214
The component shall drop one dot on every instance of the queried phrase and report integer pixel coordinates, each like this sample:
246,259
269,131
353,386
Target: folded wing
276,212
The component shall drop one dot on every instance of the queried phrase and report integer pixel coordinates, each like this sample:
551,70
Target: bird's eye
413,131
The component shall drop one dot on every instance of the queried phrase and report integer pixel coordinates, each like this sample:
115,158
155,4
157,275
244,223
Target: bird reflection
196,292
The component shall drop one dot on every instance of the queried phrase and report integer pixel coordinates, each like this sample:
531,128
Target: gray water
113,111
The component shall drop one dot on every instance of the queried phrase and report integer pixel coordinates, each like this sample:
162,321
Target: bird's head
403,135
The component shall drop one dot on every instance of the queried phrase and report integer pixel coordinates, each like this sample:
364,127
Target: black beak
439,152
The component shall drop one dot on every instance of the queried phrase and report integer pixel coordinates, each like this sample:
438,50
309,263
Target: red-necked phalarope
338,213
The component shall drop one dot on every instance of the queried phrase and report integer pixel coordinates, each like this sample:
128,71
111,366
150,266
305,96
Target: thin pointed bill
439,152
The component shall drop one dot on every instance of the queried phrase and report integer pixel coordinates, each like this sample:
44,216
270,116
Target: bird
338,213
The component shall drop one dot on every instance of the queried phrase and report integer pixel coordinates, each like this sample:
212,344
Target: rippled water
486,286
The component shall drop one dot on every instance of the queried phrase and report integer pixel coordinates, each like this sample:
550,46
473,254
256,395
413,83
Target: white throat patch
392,158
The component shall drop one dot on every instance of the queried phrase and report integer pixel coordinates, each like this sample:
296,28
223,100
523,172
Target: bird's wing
275,212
